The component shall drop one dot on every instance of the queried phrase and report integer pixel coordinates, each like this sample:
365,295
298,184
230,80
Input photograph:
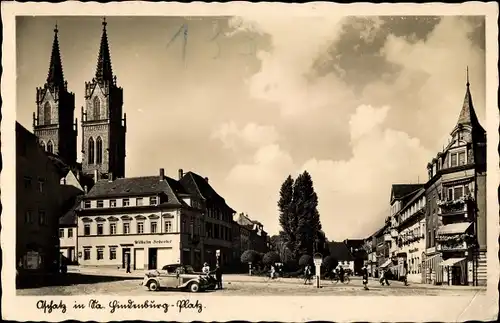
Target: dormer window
462,158
86,205
153,200
453,160
100,203
139,201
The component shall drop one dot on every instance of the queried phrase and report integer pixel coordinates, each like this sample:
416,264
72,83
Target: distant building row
437,230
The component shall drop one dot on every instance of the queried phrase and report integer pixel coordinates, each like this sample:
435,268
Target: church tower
53,121
103,128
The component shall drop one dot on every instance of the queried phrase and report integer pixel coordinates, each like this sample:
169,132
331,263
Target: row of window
28,184
99,253
413,209
454,192
414,266
29,217
153,228
411,233
454,159
70,233
49,148
153,200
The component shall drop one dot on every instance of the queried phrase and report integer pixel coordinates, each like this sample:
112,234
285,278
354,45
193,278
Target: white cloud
351,192
251,135
284,77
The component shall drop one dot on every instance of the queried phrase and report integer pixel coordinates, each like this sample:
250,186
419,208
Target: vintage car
176,277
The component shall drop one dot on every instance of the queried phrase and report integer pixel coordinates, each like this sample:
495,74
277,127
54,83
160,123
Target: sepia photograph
209,155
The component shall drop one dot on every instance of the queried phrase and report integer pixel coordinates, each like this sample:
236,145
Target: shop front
139,252
455,271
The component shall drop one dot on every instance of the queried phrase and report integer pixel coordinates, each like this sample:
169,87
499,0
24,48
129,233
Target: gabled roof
139,186
69,217
400,191
412,198
199,186
339,251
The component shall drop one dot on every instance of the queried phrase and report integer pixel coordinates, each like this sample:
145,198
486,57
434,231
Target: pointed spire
104,71
55,76
467,115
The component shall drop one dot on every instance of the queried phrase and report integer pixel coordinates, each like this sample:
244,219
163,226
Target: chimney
96,175
181,173
110,177
206,178
162,174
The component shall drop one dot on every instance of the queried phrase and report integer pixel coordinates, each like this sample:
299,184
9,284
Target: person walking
128,267
218,276
307,274
405,274
364,272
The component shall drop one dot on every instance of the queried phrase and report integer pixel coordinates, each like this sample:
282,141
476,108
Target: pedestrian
341,274
386,277
405,274
364,272
218,276
382,277
206,269
272,272
128,267
307,274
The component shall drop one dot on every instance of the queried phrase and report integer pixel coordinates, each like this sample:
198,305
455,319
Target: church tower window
91,151
42,144
50,147
97,108
47,113
98,144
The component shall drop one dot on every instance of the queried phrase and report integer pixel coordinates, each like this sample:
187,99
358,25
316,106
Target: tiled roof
138,186
198,185
339,251
69,217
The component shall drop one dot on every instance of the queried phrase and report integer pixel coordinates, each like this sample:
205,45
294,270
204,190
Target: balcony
455,242
459,246
452,209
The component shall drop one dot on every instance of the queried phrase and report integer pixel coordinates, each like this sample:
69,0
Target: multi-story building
371,246
253,236
39,203
144,222
411,235
384,241
456,213
217,219
359,254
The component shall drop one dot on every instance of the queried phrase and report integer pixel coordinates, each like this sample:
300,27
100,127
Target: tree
329,263
270,258
250,256
279,245
305,203
287,216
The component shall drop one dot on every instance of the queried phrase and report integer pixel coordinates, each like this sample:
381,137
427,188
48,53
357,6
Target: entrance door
456,275
125,257
153,258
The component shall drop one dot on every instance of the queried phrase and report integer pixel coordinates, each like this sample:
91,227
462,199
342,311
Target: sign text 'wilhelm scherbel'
153,241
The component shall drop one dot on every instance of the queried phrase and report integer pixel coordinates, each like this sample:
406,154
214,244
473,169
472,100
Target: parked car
188,269
176,277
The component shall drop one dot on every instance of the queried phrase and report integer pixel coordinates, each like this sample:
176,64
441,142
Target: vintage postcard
256,162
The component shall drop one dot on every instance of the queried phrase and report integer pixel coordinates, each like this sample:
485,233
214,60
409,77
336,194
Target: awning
386,263
451,261
454,228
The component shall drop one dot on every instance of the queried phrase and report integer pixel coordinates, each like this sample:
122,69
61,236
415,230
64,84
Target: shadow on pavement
68,279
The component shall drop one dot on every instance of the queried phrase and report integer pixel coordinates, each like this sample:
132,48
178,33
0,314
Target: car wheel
194,287
153,286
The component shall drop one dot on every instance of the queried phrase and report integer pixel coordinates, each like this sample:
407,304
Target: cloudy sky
359,102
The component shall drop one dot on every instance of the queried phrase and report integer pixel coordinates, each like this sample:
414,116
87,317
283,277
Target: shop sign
32,260
146,242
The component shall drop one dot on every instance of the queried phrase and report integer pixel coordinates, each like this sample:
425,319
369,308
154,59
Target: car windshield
173,268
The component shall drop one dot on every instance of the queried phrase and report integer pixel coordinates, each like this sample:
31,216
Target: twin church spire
101,120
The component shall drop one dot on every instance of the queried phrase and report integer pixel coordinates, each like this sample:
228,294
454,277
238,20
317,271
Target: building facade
141,222
217,220
38,196
411,236
456,216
